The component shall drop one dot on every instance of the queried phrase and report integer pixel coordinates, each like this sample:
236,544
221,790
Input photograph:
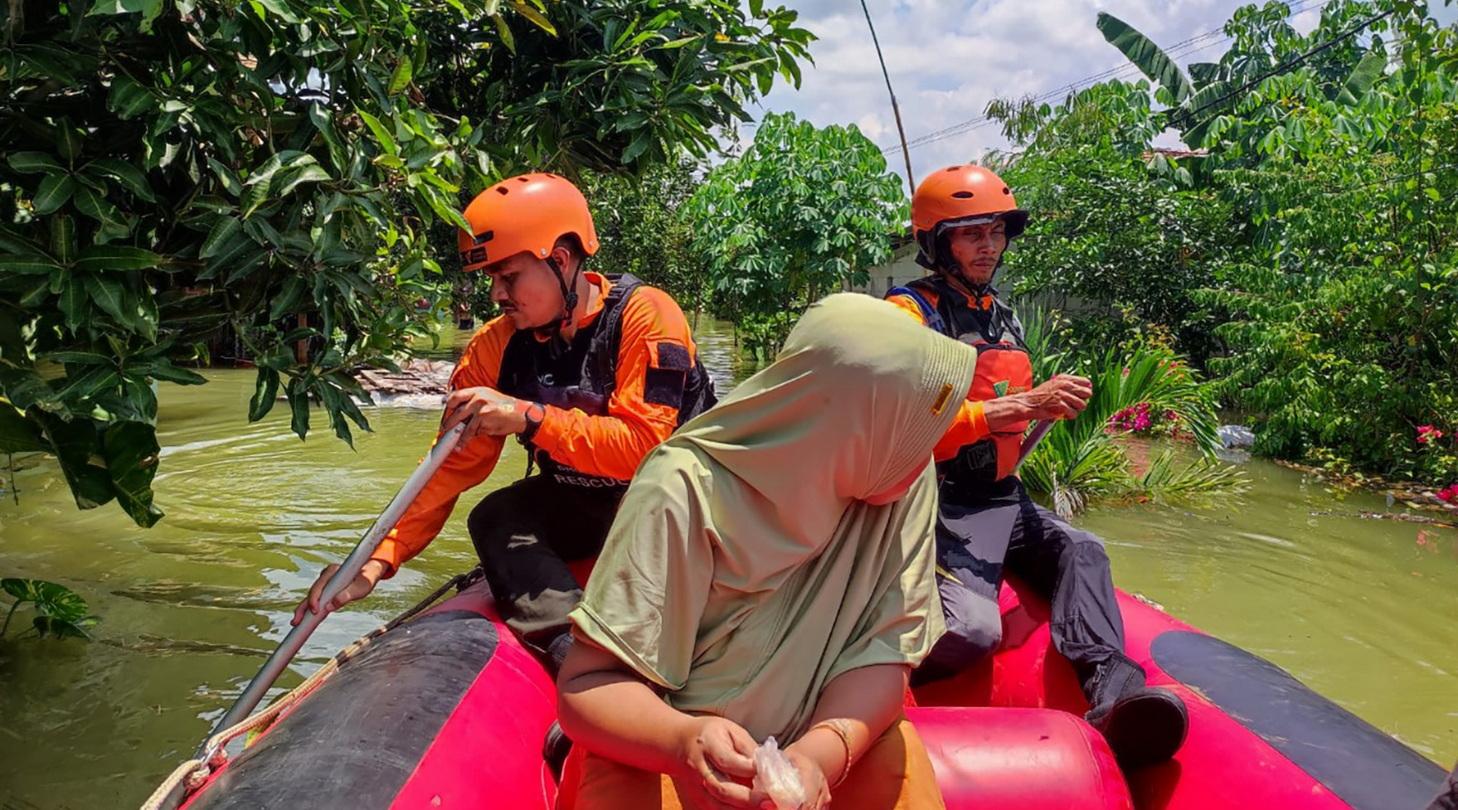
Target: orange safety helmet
956,196
524,214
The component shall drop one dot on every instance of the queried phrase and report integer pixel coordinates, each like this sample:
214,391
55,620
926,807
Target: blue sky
947,58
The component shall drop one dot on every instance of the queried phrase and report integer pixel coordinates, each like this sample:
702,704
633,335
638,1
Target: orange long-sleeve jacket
610,445
970,424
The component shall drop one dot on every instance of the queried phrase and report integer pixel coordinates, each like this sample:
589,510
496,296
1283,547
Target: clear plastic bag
776,775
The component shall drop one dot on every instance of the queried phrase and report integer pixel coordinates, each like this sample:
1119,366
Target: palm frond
1167,482
1041,330
1080,460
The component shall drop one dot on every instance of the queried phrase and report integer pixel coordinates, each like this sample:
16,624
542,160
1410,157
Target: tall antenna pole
895,109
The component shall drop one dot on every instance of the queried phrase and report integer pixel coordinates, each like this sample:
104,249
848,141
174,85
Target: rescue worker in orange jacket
589,372
963,218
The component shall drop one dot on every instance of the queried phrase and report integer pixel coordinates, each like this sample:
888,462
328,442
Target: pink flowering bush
1437,458
1427,434
1134,419
1142,419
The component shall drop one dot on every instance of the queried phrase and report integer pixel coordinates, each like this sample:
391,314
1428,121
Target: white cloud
949,58
874,127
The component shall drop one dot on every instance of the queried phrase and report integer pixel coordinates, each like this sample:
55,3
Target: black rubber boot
1144,725
555,748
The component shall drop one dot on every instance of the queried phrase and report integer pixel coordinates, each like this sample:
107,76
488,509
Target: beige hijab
744,570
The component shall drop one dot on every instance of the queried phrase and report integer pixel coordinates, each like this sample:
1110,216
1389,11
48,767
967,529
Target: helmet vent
502,190
484,237
962,195
953,168
1005,190
522,180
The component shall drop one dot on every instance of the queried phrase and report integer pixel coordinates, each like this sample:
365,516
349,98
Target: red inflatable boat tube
1258,737
448,710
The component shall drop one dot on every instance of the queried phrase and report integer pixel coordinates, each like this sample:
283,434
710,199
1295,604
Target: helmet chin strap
569,302
949,268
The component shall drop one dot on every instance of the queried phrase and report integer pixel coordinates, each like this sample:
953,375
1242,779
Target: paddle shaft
1040,430
253,694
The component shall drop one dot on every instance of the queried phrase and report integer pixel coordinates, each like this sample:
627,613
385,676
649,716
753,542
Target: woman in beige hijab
770,573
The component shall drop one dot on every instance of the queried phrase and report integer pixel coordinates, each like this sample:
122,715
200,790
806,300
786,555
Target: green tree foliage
803,212
612,83
1317,231
1112,117
1344,327
1111,227
174,168
1263,43
643,229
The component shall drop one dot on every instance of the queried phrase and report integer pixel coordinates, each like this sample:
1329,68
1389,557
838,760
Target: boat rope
195,772
460,582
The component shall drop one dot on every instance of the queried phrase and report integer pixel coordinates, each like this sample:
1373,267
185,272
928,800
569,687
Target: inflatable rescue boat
447,710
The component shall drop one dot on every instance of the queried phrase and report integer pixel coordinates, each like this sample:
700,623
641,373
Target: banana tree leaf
1145,55
1203,73
1364,75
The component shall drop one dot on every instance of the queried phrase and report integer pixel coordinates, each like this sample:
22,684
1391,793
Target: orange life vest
1003,368
584,376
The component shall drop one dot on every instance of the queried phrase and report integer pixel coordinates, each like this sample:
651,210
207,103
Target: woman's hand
716,765
604,707
812,779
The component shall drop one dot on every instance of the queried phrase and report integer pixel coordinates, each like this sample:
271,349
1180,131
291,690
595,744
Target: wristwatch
534,415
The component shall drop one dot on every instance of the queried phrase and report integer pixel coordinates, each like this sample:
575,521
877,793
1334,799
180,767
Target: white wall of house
901,269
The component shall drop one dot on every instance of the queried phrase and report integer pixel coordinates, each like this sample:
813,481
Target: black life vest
1003,368
584,376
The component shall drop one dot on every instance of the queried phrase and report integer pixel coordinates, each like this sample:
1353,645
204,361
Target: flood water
1363,610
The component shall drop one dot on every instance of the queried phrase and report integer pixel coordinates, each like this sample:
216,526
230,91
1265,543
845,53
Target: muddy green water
1362,610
